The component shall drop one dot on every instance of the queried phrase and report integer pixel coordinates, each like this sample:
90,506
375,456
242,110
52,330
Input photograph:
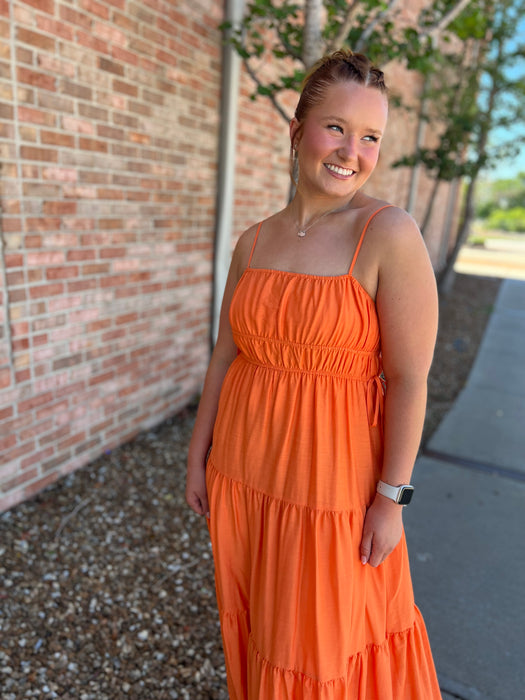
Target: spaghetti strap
253,244
362,237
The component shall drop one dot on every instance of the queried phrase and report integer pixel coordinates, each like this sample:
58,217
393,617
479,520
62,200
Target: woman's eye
373,139
336,127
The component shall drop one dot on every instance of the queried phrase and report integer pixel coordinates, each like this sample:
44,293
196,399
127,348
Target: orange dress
296,455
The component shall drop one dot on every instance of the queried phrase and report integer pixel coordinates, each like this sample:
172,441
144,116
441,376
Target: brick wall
109,123
108,135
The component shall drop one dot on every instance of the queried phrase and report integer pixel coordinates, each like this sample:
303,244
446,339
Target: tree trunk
420,138
430,205
446,275
312,38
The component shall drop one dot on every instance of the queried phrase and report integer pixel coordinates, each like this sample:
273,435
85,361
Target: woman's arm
223,355
407,307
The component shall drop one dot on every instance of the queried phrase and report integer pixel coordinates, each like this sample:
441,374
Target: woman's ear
295,133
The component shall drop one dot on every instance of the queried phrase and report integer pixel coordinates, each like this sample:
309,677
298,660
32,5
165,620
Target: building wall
109,142
109,128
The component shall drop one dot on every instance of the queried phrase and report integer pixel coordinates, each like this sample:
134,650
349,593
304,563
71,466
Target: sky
508,169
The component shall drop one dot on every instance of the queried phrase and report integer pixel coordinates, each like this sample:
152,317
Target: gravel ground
106,577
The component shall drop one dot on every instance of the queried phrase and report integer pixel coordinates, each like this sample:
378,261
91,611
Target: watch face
406,495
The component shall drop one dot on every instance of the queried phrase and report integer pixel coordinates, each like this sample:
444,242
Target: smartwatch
399,494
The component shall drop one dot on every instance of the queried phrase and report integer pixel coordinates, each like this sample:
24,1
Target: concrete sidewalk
466,524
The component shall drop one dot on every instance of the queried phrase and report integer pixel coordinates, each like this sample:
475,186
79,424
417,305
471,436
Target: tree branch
447,19
289,49
253,75
344,28
373,24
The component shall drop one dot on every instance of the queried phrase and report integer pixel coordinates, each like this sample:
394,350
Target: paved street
499,257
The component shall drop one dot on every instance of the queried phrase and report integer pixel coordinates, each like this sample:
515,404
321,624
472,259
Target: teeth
339,170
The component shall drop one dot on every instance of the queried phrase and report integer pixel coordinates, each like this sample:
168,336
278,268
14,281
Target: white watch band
392,492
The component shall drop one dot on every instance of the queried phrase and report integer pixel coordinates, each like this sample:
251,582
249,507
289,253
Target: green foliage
468,84
273,29
507,220
475,92
499,195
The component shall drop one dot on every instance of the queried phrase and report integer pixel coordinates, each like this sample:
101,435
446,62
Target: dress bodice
306,323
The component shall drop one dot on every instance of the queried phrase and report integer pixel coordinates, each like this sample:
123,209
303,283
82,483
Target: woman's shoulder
391,222
248,237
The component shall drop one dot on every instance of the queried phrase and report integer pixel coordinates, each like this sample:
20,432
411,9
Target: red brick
82,285
5,378
6,412
44,154
26,36
53,138
14,260
96,269
45,258
40,484
76,90
6,112
17,295
59,29
110,66
33,402
40,80
42,224
36,458
60,273
95,8
101,378
36,116
11,224
21,478
126,319
80,254
74,17
92,145
125,88
92,42
60,208
88,446
42,5
124,55
15,279
46,290
71,441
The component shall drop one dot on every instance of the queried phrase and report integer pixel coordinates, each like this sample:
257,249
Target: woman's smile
339,171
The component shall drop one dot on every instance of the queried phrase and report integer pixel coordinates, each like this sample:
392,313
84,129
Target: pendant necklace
302,231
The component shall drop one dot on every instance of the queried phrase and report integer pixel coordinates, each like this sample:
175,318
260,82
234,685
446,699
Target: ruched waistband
375,384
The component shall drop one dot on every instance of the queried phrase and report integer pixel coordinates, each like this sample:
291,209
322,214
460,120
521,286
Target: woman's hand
382,530
196,492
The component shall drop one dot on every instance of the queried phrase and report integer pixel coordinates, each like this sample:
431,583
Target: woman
315,396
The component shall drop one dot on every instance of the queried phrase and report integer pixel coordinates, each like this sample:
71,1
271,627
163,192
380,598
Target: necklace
302,231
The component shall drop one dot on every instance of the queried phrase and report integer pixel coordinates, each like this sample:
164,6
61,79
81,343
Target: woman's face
338,140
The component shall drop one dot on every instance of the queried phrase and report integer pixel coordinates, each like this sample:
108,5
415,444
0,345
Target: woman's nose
348,149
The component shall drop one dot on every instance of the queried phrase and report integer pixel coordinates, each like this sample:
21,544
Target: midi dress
295,459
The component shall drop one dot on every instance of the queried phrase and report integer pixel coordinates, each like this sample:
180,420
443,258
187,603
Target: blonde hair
338,67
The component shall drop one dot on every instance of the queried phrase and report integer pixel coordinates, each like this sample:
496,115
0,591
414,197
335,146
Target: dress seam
284,502
309,372
368,648
296,343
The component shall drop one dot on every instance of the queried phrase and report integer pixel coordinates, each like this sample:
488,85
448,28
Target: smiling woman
313,407
337,143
